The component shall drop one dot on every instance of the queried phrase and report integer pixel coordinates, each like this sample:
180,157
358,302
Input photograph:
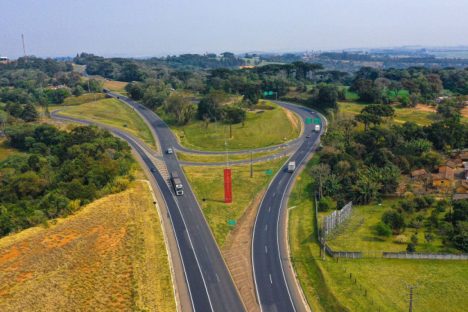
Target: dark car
153,169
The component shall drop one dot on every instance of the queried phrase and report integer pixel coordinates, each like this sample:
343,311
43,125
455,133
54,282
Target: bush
325,204
382,229
411,247
394,220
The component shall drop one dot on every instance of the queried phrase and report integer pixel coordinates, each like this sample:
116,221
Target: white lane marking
266,227
217,277
271,281
274,194
269,208
266,249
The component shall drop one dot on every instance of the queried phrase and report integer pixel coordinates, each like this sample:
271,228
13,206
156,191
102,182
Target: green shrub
382,229
325,204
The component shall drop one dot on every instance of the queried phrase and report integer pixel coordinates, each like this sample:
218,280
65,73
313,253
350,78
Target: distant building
444,178
4,60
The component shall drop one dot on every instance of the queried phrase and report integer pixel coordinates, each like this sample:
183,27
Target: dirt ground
238,256
109,256
426,108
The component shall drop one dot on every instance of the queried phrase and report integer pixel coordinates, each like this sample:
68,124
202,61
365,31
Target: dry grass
116,86
110,256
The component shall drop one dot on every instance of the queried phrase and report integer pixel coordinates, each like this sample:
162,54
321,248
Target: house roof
445,173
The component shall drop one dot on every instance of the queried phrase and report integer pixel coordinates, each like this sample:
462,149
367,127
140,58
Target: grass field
375,284
271,127
208,183
114,113
417,115
221,158
109,256
84,98
357,233
115,86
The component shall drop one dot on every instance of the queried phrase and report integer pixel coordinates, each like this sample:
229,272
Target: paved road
215,284
209,281
269,258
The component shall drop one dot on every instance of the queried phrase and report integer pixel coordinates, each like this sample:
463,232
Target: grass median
222,158
113,113
261,128
207,183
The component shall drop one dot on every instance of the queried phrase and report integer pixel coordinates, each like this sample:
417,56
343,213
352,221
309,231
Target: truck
317,128
291,166
177,184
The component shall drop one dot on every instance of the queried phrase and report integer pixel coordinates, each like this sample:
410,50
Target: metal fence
420,255
332,221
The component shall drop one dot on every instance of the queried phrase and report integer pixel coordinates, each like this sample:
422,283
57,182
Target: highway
212,288
209,282
269,251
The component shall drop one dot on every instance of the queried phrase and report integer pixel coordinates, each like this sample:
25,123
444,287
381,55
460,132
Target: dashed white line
266,249
266,227
269,208
271,281
217,277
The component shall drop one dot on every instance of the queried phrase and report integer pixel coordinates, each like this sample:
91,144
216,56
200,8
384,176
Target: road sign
227,186
232,222
317,121
265,93
270,92
308,121
269,172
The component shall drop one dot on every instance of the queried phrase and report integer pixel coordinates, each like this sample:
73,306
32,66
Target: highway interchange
209,282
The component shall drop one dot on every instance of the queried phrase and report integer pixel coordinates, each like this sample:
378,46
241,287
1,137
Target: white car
170,151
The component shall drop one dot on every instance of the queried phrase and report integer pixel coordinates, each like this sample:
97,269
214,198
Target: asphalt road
268,256
210,284
212,288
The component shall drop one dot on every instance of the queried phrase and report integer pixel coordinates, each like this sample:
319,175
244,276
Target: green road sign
270,92
308,121
269,172
317,121
232,222
265,93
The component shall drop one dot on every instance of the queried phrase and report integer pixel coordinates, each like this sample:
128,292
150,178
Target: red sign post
227,186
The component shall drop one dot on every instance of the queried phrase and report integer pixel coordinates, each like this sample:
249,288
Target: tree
320,172
181,107
29,113
374,114
233,115
327,97
366,89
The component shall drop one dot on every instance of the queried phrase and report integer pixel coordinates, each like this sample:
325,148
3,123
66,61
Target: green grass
84,98
376,283
260,129
208,183
114,113
222,158
357,234
402,115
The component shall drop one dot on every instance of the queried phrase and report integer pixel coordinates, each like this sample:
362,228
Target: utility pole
24,46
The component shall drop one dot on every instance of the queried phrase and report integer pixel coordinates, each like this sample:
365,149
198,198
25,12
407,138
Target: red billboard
227,186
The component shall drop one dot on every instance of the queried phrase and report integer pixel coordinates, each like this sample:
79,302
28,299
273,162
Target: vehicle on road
177,183
291,166
153,169
169,151
308,136
317,128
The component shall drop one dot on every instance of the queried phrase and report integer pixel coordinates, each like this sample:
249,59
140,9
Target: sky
140,28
